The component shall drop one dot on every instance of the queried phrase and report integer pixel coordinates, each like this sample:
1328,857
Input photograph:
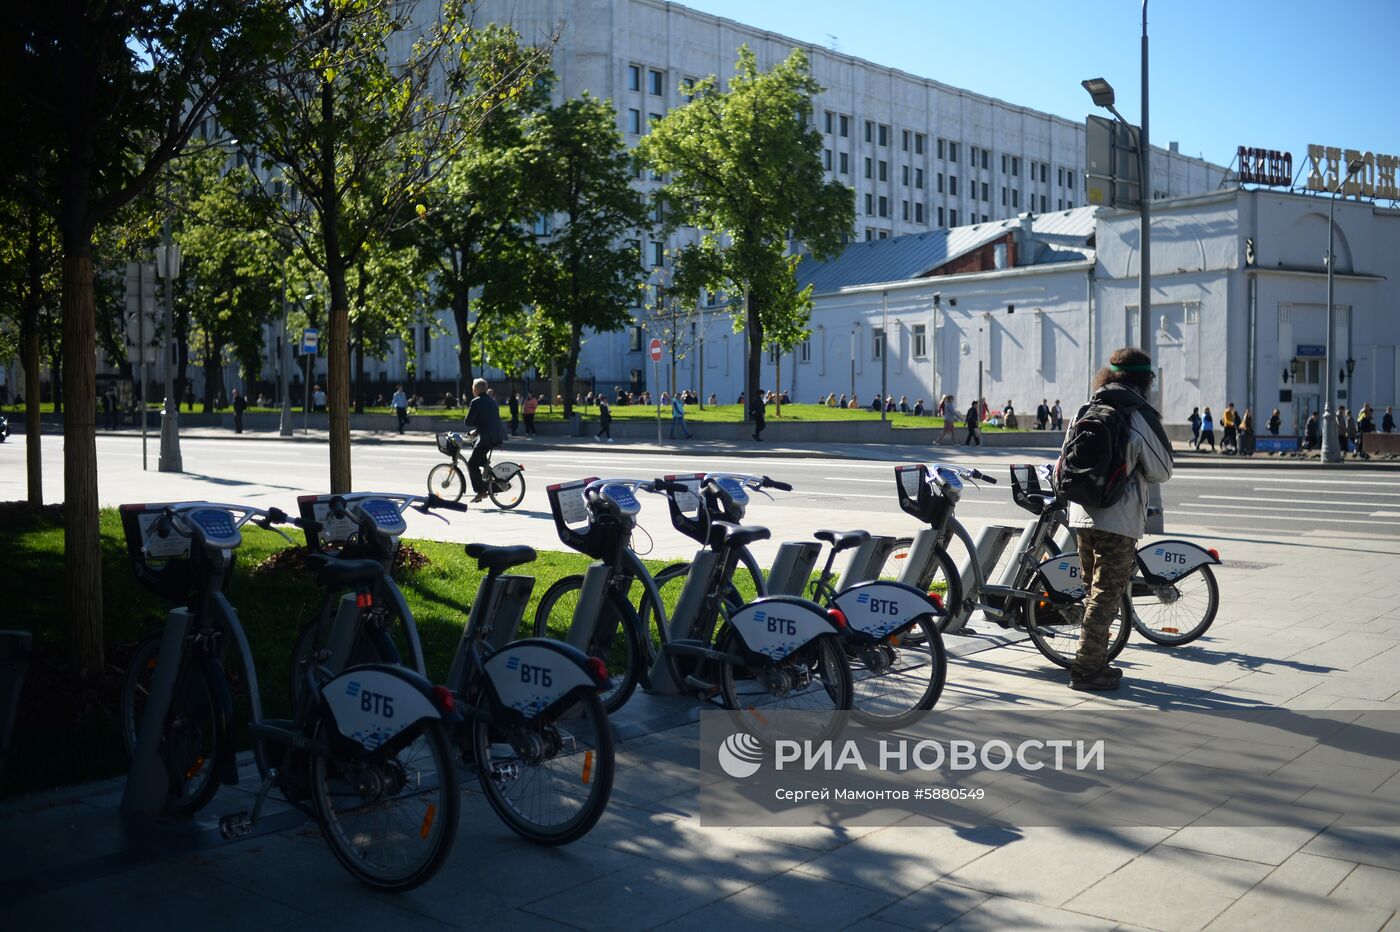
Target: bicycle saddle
843,540
736,535
333,572
499,559
1036,503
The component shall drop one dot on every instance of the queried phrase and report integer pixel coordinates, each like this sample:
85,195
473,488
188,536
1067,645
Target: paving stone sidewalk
1307,622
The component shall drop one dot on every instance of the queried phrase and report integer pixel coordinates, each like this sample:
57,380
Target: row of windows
634,121
656,80
918,345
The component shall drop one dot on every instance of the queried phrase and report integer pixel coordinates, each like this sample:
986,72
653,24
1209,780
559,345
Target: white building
1239,299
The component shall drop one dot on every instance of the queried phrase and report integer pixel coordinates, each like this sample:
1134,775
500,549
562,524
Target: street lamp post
284,365
1330,451
168,265
884,351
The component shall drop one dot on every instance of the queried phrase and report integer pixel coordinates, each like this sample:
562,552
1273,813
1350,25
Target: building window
986,160
652,119
953,185
984,192
772,354
654,80
1060,177
845,164
884,206
1069,205
826,159
905,211
804,350
918,178
869,205
1003,163
1044,173
869,131
829,115
884,170
688,89
1015,198
920,341
952,151
953,217
634,78
904,173
1003,195
884,134
940,216
973,152
940,182
985,218
940,148
877,342
544,225
1015,166
1069,178
845,125
904,140
1043,200
869,167
918,143
869,234
634,122
918,212
634,339
658,254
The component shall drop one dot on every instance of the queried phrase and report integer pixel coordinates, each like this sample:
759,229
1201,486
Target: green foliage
591,275
744,166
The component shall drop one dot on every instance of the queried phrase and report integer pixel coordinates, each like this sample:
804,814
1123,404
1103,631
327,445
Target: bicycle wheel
1055,629
548,779
1178,612
191,739
372,645
898,679
817,678
390,815
445,480
939,578
507,493
897,560
616,636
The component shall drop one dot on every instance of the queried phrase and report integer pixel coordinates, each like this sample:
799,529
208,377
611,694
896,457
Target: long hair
1125,357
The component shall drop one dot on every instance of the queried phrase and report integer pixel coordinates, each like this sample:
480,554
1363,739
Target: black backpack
1093,467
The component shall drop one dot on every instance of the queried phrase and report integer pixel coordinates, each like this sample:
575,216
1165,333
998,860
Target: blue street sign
1311,349
310,337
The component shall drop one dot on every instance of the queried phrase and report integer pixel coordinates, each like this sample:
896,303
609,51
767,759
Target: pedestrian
1230,440
853,404
1247,433
842,402
483,416
1042,414
1274,422
1107,537
1311,434
713,400
919,408
109,410
875,402
948,410
514,405
1058,414
400,405
1207,430
1353,435
903,404
1195,421
831,400
970,422
604,419
678,417
532,402
189,397
320,398
757,412
240,404
1342,429
1388,422
1365,424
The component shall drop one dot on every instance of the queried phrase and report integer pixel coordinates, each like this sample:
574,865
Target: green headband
1143,368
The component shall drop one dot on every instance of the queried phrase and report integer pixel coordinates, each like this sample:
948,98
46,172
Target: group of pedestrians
1238,430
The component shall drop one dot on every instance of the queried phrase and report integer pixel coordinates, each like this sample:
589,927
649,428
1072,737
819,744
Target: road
1219,503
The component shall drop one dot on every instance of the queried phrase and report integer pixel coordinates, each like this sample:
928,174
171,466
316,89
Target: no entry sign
655,350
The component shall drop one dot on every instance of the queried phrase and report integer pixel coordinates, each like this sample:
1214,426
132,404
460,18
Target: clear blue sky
1224,73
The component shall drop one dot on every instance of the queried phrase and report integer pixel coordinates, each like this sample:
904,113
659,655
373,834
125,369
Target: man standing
971,423
400,405
1057,416
1230,440
1042,414
319,399
756,411
483,416
678,416
531,403
240,404
514,411
109,409
1388,422
1107,536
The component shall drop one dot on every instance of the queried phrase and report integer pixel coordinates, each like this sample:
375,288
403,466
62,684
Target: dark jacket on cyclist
1149,461
484,416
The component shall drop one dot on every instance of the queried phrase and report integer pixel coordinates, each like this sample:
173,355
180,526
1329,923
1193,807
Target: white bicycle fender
371,704
1064,576
878,607
504,471
1171,559
778,625
532,674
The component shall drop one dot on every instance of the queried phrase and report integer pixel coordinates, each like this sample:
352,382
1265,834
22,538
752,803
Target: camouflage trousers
1107,562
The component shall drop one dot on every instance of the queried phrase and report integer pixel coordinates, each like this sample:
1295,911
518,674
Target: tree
591,275
103,94
745,168
670,317
474,225
360,136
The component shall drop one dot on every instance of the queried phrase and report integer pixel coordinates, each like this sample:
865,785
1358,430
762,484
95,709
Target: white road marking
1285,501
1385,514
1293,516
1271,480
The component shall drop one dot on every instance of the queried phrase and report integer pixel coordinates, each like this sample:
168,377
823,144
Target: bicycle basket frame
171,573
918,497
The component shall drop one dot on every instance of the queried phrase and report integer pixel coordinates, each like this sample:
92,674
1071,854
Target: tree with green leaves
591,275
360,133
744,166
669,315
102,94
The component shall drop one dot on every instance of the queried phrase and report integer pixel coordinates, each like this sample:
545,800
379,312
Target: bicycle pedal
235,825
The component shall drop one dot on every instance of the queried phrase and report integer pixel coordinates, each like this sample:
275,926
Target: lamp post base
170,459
285,425
1331,451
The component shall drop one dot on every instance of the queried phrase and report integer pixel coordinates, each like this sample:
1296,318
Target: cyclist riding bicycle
483,416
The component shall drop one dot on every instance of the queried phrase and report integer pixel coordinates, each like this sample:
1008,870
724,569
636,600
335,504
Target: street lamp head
1351,367
1100,90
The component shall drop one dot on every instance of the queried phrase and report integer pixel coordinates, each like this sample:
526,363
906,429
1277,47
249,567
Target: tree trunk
82,543
29,358
56,372
755,360
360,366
182,356
571,368
460,307
778,383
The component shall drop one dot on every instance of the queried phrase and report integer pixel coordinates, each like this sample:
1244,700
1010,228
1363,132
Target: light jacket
1149,461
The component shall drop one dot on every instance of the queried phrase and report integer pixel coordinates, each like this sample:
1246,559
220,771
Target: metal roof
901,258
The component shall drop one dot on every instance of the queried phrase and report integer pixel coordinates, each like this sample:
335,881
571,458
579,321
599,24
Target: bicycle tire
500,498
824,659
893,698
373,645
554,615
1059,646
1162,632
946,583
191,739
506,778
445,480
436,816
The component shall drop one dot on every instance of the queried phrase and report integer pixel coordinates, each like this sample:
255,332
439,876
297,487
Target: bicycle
778,651
896,654
367,747
505,480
